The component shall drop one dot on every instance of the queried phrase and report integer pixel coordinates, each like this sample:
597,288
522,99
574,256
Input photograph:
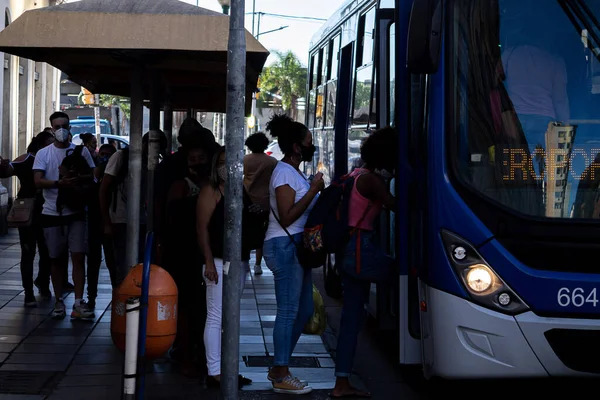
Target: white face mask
222,172
62,135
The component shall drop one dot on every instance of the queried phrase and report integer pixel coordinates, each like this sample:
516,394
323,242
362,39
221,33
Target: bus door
397,109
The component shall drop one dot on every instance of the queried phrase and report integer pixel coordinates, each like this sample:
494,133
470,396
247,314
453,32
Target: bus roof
347,9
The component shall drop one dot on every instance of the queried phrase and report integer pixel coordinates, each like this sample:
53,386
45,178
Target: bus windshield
526,89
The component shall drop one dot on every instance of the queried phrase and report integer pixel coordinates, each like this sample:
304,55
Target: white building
30,93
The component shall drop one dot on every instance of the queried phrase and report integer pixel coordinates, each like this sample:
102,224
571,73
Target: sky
297,36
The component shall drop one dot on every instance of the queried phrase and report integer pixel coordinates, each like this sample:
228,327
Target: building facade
30,93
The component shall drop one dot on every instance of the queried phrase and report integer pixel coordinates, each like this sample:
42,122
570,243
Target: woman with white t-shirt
292,197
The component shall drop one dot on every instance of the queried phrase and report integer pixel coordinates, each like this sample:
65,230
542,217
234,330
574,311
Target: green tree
286,77
107,100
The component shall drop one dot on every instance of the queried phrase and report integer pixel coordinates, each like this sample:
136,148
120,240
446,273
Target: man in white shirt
64,228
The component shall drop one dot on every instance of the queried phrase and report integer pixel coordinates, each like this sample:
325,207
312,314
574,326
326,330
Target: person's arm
108,183
288,210
90,161
7,169
373,188
205,207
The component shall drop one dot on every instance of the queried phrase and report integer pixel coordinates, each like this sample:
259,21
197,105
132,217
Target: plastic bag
318,322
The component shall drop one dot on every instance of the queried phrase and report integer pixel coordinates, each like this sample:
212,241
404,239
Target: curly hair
257,142
380,149
287,131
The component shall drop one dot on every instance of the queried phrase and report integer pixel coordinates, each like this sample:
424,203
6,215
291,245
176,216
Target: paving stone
27,358
54,339
97,358
96,369
46,348
91,380
86,392
32,367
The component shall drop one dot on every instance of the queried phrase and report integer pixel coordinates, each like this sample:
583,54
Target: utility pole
253,14
97,119
234,150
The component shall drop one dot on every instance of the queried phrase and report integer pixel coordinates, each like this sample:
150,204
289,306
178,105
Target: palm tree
285,77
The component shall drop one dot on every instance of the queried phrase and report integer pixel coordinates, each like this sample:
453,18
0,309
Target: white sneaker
290,385
59,311
258,270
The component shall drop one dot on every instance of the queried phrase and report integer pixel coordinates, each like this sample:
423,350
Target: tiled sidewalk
62,360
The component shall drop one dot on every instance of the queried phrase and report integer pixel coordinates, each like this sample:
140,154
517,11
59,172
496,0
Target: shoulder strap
286,231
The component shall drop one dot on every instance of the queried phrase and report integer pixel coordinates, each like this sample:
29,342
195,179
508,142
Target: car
120,142
274,151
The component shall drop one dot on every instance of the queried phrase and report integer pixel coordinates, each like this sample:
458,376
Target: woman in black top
96,239
22,168
210,216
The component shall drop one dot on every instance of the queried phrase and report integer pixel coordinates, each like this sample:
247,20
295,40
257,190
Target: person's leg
27,241
56,240
77,236
94,259
280,258
212,330
120,245
353,317
43,278
257,266
109,259
244,276
306,306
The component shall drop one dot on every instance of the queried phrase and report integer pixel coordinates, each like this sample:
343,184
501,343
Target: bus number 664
578,297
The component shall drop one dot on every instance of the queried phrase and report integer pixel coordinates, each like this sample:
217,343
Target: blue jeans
356,295
293,291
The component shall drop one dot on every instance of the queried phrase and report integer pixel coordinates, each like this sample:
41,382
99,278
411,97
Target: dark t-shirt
24,171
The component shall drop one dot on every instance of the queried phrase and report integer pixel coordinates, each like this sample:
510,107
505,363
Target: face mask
103,160
61,135
307,152
199,169
222,172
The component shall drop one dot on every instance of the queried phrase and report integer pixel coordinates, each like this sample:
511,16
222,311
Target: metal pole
258,27
114,120
131,347
253,14
134,173
141,369
168,125
97,119
153,150
236,90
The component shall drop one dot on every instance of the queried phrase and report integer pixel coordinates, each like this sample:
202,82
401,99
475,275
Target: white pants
214,312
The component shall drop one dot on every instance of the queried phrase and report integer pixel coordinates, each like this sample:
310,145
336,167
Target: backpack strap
286,231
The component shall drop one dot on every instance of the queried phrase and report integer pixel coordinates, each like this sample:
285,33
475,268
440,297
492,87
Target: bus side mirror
425,36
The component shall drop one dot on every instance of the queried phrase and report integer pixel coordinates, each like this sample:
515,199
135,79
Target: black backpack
75,198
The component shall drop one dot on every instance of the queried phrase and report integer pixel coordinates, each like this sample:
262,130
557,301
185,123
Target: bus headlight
479,278
482,283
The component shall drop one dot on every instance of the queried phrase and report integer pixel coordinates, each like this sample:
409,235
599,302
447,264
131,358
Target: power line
311,19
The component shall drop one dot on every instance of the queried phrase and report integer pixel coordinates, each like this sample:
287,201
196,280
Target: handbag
21,213
306,258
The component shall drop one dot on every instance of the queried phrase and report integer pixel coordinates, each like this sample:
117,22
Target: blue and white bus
497,232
